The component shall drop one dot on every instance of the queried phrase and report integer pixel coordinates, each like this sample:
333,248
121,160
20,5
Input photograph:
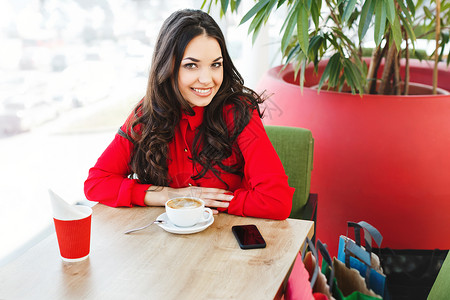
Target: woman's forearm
156,195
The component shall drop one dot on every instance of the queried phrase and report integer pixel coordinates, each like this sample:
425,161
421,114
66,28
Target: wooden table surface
155,264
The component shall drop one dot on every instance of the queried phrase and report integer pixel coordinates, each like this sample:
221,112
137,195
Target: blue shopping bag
354,255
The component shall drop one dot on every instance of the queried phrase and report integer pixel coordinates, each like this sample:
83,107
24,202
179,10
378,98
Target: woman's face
201,71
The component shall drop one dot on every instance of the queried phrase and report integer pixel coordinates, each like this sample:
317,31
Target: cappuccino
179,203
187,211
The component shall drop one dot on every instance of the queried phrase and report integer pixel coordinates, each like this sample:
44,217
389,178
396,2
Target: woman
198,131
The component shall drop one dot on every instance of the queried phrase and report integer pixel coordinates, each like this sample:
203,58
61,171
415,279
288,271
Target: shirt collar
195,120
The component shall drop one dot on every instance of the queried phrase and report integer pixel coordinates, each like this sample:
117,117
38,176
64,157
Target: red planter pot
382,159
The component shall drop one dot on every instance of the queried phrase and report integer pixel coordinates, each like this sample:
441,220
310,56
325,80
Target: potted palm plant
335,30
381,148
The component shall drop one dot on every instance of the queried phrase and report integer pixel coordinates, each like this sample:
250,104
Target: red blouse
262,192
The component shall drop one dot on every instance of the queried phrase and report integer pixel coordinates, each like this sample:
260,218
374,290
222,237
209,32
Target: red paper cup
74,236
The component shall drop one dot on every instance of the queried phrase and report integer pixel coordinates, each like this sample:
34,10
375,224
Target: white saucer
169,227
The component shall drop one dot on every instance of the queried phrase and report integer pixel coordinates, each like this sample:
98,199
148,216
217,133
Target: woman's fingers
215,203
217,200
216,194
213,197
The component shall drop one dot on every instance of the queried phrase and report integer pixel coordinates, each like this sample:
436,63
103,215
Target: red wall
381,159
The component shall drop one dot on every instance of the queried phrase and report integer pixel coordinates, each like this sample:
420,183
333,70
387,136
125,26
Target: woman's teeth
201,91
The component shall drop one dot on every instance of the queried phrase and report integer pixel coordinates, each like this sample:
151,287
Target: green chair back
441,286
295,147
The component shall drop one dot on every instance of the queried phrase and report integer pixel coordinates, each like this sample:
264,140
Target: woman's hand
213,197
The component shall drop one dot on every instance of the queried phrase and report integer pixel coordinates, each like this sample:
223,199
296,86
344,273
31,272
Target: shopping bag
306,278
354,255
350,282
321,285
298,286
347,283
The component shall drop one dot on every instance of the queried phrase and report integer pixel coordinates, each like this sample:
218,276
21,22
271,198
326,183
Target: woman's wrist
156,195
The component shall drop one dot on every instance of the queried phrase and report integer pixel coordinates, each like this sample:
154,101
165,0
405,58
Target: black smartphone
248,236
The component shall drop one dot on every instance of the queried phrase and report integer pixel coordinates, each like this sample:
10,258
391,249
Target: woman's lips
202,92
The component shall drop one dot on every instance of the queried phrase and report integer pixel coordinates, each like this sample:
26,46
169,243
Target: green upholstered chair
295,148
441,286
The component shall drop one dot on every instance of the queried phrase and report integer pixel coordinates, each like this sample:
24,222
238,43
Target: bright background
70,73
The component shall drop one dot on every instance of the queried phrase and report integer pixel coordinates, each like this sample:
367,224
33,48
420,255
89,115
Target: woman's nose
205,76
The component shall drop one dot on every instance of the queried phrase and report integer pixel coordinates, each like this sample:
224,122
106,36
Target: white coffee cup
187,211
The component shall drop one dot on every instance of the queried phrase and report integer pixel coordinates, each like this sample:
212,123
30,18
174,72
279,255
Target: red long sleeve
262,192
108,181
265,192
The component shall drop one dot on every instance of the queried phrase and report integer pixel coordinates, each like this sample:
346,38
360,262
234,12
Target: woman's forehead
203,47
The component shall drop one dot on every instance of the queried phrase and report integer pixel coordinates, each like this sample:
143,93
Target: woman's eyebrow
191,58
196,60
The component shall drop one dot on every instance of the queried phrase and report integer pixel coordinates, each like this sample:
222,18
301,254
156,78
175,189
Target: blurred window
70,73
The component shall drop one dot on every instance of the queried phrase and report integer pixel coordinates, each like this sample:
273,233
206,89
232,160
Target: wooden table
155,264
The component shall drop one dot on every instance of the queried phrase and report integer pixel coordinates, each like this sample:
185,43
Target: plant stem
333,16
372,72
397,79
436,56
387,71
337,23
406,91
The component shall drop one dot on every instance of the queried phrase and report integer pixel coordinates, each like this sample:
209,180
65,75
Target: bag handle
314,253
355,248
325,255
370,233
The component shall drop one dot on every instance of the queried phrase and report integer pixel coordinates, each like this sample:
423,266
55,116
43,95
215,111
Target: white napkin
63,210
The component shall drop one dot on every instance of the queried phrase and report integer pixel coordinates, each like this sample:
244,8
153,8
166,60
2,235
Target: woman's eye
217,65
190,66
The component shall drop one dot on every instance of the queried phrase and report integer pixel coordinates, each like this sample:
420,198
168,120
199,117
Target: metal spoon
143,227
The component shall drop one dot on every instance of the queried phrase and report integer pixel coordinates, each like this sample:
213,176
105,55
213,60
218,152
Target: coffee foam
184,203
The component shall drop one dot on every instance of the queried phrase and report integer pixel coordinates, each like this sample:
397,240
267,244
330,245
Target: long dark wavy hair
156,117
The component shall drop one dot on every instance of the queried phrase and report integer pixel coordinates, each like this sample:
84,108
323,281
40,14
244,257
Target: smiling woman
201,73
197,132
